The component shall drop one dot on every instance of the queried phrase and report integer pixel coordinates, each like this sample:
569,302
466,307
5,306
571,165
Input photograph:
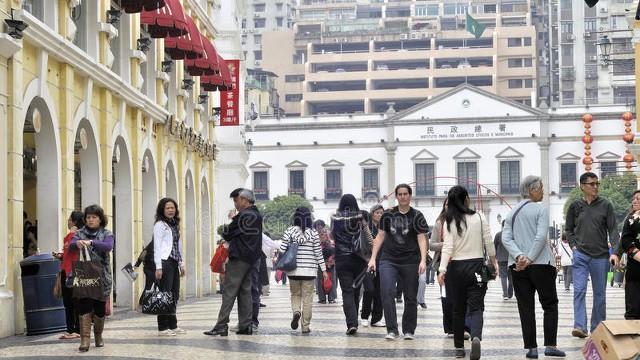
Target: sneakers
306,330
409,336
423,305
352,330
460,353
364,322
254,327
379,323
166,332
295,320
579,333
179,331
475,349
532,353
554,351
391,336
505,298
467,336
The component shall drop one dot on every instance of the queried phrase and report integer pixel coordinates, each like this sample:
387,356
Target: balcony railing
296,191
332,193
261,194
371,193
566,188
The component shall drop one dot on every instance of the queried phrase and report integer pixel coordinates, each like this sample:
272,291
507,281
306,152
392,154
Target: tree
277,213
616,188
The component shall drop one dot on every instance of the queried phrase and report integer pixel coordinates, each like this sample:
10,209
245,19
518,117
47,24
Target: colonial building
465,136
110,103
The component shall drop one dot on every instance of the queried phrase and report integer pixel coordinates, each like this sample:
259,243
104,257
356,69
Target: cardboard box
614,340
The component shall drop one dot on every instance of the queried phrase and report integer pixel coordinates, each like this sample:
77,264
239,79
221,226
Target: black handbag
288,261
157,302
88,277
363,242
488,271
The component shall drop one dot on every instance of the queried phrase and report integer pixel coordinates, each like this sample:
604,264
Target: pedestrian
308,259
467,237
267,246
590,226
99,241
372,298
167,260
422,283
502,256
533,266
68,257
566,261
402,245
346,225
244,235
329,255
631,246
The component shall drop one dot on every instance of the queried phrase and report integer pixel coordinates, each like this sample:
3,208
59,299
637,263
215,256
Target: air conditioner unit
404,36
414,35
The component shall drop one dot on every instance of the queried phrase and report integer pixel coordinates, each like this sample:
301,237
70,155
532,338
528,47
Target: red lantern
628,158
587,139
627,116
587,126
627,130
587,160
628,138
587,132
628,166
587,118
627,124
587,147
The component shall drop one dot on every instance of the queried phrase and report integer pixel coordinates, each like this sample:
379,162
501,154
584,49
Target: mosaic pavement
132,335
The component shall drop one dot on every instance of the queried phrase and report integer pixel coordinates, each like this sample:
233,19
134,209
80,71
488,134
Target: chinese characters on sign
472,131
229,100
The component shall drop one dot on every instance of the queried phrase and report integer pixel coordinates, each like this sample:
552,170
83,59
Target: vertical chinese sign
230,100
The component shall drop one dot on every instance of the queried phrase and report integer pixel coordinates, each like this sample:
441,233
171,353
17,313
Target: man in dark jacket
502,256
244,235
591,226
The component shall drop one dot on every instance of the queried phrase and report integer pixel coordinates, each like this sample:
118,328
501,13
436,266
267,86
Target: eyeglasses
595,183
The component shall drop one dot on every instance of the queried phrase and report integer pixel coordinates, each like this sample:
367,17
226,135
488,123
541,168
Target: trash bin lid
33,259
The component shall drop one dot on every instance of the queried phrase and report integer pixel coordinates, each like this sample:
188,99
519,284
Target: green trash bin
44,313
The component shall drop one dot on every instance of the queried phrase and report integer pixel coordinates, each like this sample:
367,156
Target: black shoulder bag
488,271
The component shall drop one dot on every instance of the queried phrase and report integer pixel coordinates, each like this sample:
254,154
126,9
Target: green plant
277,213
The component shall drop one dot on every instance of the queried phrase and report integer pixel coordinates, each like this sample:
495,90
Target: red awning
208,64
225,73
188,46
166,21
218,82
135,6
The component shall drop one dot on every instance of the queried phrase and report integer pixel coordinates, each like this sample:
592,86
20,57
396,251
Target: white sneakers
364,322
179,331
380,323
391,336
167,332
409,336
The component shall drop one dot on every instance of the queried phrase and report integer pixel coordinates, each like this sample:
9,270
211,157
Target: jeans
431,273
540,279
237,284
567,276
468,298
348,268
583,266
505,279
390,273
372,302
170,281
256,291
422,284
301,299
70,306
333,294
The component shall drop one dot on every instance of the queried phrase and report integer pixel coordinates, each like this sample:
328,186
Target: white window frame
435,177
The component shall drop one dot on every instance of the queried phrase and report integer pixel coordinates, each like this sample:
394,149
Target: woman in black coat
630,244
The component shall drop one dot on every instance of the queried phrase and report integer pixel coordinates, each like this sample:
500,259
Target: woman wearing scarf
329,254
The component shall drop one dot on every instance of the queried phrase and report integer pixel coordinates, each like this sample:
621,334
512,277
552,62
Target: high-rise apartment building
578,75
261,16
347,56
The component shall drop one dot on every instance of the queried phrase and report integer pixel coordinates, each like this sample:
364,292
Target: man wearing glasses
590,226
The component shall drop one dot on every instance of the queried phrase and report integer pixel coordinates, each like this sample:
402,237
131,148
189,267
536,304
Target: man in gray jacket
502,256
591,226
532,266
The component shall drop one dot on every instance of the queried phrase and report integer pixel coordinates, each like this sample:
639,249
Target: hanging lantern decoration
587,140
628,138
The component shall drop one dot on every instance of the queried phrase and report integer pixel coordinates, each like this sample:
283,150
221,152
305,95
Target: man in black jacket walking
244,235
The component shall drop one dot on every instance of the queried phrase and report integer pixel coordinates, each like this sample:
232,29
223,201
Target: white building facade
467,136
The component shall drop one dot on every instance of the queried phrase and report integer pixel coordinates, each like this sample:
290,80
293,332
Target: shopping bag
279,274
87,277
327,284
157,302
288,261
219,258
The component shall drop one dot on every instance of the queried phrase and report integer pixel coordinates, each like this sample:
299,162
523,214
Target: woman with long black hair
631,245
465,234
167,257
345,227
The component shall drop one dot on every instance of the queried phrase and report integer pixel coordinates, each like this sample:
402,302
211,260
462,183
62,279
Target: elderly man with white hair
532,266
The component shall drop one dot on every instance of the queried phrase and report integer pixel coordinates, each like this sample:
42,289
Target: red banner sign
230,100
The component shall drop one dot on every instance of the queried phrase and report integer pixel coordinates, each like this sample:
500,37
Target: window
514,42
296,182
293,97
490,8
244,23
259,23
618,22
528,83
509,177
468,176
515,83
261,185
608,168
421,10
590,25
294,78
333,184
425,179
279,6
279,21
528,62
257,39
258,7
515,63
257,54
370,183
566,27
568,173
527,41
433,10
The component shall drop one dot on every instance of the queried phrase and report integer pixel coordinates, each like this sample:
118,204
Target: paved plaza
133,335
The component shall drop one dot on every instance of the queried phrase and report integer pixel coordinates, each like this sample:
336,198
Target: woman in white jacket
566,261
167,256
308,259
